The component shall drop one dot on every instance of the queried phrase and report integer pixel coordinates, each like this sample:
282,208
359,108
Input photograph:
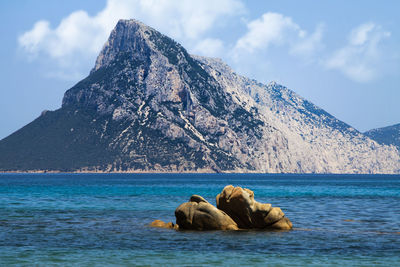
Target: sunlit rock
198,214
240,205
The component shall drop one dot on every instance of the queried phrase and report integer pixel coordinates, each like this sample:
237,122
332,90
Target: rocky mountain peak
139,64
139,41
148,105
127,36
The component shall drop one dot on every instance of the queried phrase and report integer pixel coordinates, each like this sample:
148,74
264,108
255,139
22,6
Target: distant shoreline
94,172
202,171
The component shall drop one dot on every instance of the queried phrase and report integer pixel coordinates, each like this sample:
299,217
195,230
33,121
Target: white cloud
69,48
209,47
31,40
308,45
274,29
360,59
359,35
186,19
79,37
270,29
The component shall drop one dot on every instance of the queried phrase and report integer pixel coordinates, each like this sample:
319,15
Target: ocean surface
101,220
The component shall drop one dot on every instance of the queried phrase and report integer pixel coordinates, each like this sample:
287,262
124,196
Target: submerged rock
198,214
240,205
161,224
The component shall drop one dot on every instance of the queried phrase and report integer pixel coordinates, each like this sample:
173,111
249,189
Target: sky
343,56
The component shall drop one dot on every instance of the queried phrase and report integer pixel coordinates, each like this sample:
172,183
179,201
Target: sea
102,220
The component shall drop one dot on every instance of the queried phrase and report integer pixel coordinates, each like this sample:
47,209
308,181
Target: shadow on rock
240,205
236,209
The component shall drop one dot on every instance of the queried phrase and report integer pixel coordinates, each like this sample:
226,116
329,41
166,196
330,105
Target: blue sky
342,55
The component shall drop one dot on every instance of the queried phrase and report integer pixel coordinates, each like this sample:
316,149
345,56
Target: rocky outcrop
240,205
198,214
236,209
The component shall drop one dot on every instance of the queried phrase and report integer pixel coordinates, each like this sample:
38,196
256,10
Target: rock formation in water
236,209
148,105
240,205
198,214
161,224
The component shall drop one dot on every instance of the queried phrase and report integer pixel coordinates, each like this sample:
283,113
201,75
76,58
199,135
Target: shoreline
95,172
201,171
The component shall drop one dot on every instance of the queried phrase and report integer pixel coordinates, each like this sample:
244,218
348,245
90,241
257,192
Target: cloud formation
209,47
74,43
359,59
274,29
80,36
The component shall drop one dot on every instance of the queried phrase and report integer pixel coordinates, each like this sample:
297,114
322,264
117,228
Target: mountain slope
389,135
148,105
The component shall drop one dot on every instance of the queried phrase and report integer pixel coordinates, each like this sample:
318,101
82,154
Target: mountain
389,135
148,105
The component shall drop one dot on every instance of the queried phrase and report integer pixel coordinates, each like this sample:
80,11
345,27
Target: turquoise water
100,219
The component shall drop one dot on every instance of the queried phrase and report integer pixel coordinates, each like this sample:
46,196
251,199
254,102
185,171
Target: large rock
240,205
198,214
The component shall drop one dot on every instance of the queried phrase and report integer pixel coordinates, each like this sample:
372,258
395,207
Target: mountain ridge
389,135
147,105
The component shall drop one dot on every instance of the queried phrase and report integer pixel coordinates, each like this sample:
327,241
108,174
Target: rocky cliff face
315,141
149,105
